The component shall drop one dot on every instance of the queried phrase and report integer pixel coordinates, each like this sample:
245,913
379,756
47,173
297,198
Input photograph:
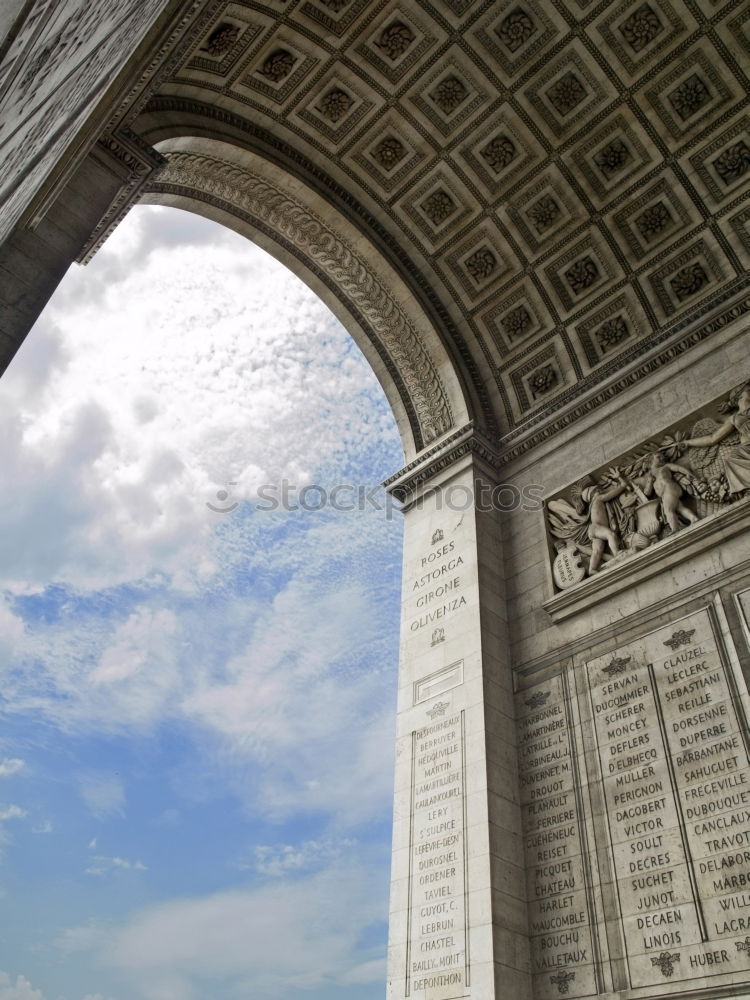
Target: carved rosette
198,176
499,152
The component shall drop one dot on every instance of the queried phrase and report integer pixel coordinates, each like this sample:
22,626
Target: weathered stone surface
533,218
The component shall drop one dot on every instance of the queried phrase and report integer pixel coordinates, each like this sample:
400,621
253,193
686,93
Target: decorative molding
438,709
404,486
427,455
138,163
65,70
538,699
665,962
190,23
552,661
568,89
617,666
680,638
234,188
563,979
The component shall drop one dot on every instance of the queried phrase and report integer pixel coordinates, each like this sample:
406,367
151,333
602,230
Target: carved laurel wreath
197,174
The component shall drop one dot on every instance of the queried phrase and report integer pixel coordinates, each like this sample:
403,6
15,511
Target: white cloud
11,630
260,634
293,693
7,813
306,667
11,812
102,865
372,971
137,672
147,410
86,937
279,860
104,794
21,990
301,680
44,827
132,646
10,766
241,939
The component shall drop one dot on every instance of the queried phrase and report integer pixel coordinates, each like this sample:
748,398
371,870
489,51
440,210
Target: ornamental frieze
695,470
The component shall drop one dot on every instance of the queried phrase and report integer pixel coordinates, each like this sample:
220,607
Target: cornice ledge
589,644
184,23
469,439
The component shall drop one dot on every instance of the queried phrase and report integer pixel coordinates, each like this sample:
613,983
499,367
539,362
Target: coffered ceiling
562,180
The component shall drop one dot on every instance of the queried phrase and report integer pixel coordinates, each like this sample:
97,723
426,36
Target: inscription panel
437,589
439,682
558,893
437,956
673,754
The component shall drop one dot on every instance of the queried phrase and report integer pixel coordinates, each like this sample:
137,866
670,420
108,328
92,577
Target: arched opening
249,194
532,220
198,744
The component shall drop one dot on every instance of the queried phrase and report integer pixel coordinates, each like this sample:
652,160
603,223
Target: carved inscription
437,957
707,744
436,590
676,777
656,897
559,916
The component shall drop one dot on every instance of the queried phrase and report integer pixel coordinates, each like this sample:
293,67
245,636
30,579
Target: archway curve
250,195
167,116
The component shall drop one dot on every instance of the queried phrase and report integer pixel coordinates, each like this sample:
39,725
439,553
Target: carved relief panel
695,470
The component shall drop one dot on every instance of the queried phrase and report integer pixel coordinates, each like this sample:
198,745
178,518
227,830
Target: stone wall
633,735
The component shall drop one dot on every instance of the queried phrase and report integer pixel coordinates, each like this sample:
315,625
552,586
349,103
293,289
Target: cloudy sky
198,691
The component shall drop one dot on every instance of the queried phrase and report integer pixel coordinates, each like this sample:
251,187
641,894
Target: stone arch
560,262
245,192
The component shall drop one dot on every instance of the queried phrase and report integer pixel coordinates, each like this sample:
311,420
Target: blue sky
196,750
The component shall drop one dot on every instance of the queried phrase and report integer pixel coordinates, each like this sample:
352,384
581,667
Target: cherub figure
589,526
600,531
737,459
670,490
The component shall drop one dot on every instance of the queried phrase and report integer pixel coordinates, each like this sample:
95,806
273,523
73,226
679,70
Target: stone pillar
458,923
